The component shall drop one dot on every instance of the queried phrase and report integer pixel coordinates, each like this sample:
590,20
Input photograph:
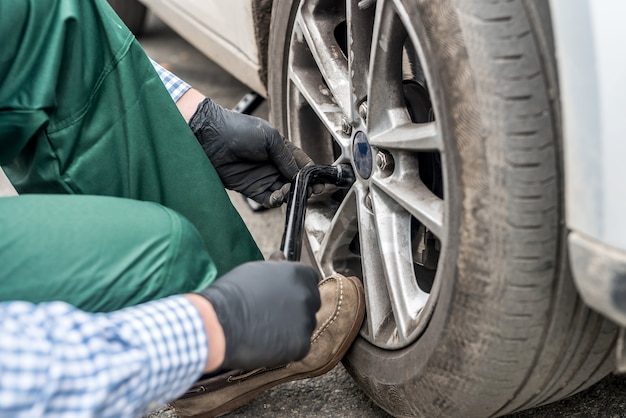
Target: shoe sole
245,399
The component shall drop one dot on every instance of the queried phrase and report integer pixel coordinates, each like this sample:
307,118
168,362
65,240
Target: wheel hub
362,155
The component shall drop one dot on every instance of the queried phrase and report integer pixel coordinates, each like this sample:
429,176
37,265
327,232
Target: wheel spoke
333,253
377,296
385,76
393,225
406,188
326,110
318,29
359,45
410,137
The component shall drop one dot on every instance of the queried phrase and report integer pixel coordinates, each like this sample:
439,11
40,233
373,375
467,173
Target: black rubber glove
250,155
267,310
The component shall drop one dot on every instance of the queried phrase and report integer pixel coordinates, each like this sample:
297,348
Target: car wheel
448,113
132,13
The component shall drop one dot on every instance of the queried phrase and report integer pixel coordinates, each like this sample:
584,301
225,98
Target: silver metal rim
346,105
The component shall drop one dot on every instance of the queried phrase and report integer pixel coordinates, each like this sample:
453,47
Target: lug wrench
338,175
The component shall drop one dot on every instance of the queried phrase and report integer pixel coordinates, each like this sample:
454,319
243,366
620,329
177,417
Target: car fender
589,38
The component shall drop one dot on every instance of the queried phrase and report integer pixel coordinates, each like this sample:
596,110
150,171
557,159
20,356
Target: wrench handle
339,175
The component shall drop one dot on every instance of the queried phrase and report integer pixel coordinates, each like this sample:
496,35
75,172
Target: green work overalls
82,112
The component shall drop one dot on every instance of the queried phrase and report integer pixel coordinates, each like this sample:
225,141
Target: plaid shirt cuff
174,85
172,333
58,361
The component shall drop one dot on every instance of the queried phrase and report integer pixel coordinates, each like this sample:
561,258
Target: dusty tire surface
505,329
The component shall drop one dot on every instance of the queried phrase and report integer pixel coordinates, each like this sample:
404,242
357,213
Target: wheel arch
262,16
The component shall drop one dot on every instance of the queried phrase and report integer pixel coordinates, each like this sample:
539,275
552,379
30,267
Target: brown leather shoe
338,322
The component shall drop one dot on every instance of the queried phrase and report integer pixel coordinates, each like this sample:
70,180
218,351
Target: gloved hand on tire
267,311
249,155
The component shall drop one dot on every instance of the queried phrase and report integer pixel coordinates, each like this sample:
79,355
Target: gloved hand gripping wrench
338,175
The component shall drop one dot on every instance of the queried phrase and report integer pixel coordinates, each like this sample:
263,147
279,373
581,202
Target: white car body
222,30
589,35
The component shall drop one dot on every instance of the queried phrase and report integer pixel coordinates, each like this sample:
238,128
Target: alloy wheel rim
356,82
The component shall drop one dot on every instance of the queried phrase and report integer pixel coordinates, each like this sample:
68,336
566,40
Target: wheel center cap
362,155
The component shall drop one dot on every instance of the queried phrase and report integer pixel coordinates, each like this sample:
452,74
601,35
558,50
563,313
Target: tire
132,13
455,223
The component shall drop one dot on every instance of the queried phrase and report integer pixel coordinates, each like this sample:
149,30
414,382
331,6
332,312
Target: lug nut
384,161
368,201
363,111
346,128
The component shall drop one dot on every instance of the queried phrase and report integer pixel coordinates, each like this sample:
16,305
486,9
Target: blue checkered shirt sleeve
174,85
57,361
